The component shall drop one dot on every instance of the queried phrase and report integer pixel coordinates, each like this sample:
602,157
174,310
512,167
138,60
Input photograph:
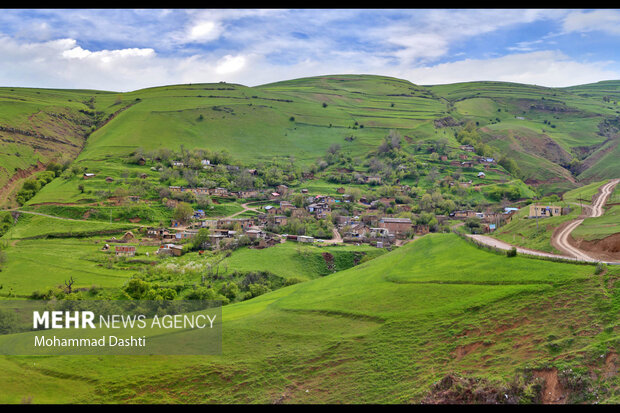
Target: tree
229,290
333,149
201,238
183,212
472,223
69,284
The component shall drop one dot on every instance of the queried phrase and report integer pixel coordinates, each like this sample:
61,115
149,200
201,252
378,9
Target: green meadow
383,331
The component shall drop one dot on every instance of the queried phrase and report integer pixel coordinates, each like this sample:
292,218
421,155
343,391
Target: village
369,226
379,203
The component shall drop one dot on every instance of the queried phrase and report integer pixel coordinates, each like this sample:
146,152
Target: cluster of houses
281,190
489,220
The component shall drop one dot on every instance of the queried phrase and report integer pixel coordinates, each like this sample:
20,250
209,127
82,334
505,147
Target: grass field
384,331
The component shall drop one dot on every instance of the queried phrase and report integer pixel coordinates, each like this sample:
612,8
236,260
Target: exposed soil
552,392
19,174
544,146
607,248
329,260
455,389
611,365
462,351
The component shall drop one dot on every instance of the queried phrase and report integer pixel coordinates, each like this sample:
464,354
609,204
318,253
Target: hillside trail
560,236
337,239
245,208
46,215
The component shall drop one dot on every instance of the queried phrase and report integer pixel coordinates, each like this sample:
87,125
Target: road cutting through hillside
560,238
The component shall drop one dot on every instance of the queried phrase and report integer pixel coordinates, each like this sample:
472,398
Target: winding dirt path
245,208
560,236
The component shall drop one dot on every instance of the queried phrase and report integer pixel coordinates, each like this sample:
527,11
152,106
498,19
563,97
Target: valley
371,240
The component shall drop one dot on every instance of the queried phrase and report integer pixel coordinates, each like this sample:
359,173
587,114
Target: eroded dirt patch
462,351
552,391
606,248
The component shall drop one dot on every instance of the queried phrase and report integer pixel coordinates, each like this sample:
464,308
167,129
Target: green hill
38,126
559,137
396,329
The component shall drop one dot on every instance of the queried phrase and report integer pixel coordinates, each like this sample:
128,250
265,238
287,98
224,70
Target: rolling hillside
38,126
435,320
560,137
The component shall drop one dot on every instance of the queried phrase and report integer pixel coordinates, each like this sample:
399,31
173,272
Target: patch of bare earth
607,248
552,391
462,351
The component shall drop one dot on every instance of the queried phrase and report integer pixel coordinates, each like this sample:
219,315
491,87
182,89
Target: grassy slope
381,332
536,146
254,123
48,112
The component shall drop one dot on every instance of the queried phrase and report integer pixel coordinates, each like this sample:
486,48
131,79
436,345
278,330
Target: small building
128,236
109,179
397,226
280,219
125,250
188,233
251,193
88,175
481,175
159,233
285,205
230,222
463,214
219,191
255,233
545,210
304,238
170,249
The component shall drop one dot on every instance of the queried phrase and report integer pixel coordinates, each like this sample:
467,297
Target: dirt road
337,239
492,242
560,237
